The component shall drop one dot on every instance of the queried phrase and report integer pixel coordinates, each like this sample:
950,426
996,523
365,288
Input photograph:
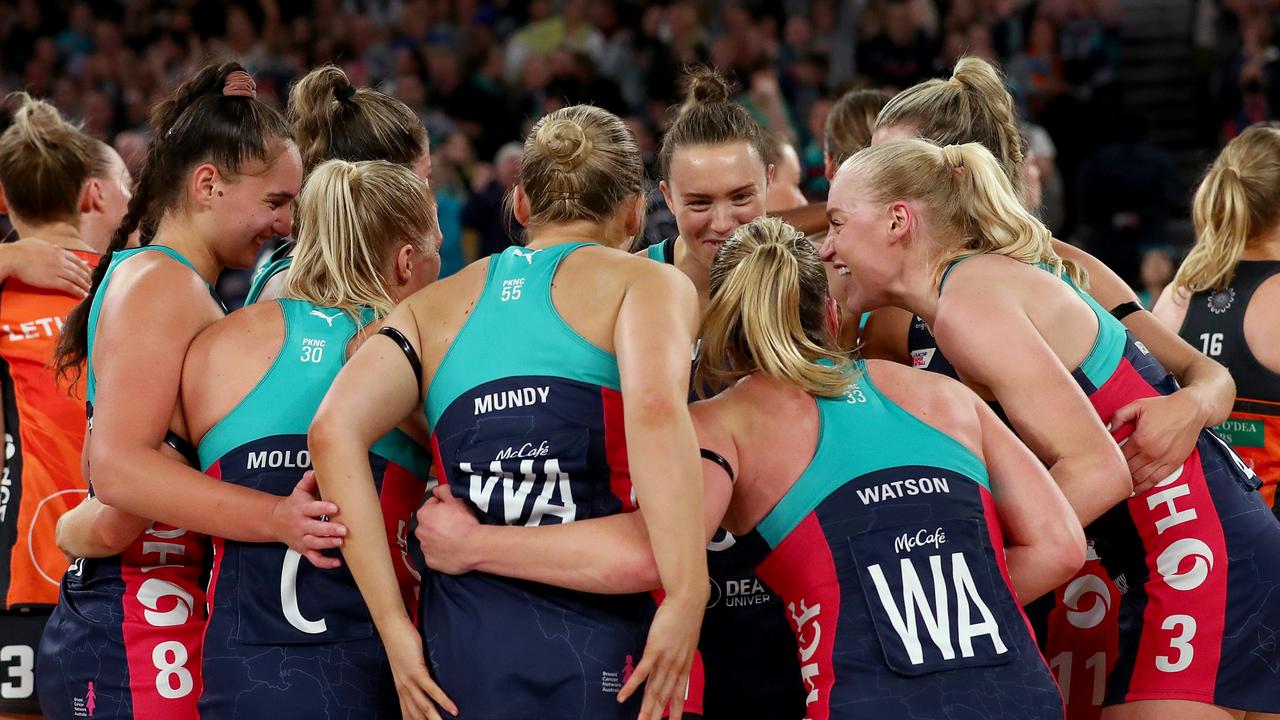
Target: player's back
44,427
1215,324
527,427
272,611
887,553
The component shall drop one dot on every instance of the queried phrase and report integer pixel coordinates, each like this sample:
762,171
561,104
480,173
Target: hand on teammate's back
443,526
301,522
44,265
1164,434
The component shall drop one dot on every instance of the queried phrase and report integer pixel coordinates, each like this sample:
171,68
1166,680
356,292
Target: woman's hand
413,681
1165,430
41,264
444,524
301,521
668,658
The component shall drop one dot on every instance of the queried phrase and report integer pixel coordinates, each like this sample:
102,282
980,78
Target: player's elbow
105,464
325,433
1115,482
1067,544
655,407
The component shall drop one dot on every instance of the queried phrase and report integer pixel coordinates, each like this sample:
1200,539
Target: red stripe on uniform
438,462
1186,553
1182,625
802,572
164,623
400,497
219,548
615,448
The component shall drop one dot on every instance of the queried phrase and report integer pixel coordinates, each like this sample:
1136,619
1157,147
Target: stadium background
1125,101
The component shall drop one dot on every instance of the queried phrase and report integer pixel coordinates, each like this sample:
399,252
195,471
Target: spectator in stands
485,214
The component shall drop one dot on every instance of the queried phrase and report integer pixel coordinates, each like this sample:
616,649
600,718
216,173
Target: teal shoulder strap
1108,345
859,433
95,307
515,330
289,393
947,273
264,275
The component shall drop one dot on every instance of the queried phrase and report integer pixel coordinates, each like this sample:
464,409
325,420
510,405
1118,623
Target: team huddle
927,461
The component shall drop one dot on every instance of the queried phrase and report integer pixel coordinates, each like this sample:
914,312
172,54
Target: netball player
219,178
367,238
849,127
715,175
941,233
974,106
1223,296
824,500
332,119
587,418
44,165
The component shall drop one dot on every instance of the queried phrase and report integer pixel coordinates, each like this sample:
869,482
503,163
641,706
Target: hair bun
343,91
564,143
704,85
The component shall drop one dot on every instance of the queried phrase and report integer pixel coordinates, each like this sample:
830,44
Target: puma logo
326,318
527,255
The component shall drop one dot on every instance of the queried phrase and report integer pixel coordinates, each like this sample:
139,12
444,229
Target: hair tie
239,84
344,92
953,157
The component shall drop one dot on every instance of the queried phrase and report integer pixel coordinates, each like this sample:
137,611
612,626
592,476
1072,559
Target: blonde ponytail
1238,199
972,106
967,196
351,217
768,313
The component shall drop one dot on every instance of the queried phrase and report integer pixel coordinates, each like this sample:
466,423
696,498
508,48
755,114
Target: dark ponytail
207,120
334,120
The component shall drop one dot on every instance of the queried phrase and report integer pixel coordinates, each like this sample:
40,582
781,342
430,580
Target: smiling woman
715,174
219,178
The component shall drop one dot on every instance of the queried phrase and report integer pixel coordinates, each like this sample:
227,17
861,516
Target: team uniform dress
1215,323
746,648
888,556
124,640
1077,625
44,432
279,261
527,427
1195,559
286,639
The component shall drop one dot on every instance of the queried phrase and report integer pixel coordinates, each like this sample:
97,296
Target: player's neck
177,232
700,275
1263,247
63,234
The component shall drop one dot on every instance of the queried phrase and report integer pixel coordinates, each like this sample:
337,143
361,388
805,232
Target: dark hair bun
702,84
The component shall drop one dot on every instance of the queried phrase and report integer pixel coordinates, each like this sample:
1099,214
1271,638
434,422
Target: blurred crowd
1238,52
480,71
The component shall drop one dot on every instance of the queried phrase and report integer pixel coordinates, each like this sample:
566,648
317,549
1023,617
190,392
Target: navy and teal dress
1195,560
748,663
125,639
280,260
527,427
286,639
888,557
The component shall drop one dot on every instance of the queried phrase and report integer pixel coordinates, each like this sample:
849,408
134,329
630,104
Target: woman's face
859,246
255,205
713,190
